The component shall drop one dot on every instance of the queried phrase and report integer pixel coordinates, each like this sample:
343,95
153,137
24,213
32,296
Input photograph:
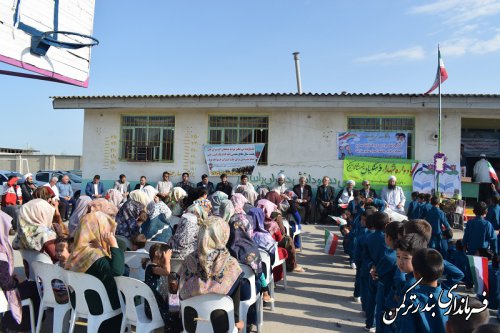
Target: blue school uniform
386,267
358,260
452,273
479,234
367,284
493,216
437,219
414,210
424,209
460,261
376,244
493,285
424,322
402,282
379,204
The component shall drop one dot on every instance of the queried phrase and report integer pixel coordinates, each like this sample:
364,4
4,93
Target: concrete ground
319,300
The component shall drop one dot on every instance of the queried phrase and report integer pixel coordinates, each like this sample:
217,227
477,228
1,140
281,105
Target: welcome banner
372,144
232,160
377,171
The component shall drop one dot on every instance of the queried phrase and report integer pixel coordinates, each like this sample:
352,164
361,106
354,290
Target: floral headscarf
185,239
238,201
127,218
115,197
103,205
211,269
268,208
199,211
81,208
250,196
216,198
35,225
157,208
157,228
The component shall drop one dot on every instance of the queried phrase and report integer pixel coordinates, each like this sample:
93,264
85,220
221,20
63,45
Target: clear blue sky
171,47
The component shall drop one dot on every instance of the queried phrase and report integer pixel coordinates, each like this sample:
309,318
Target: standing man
224,185
95,189
28,187
325,196
304,195
207,185
393,196
142,182
66,196
481,174
164,187
123,186
367,192
185,183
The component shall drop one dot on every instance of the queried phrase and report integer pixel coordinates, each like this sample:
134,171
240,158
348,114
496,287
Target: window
240,129
42,177
389,124
147,138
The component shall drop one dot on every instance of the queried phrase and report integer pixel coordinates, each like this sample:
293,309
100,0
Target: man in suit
95,189
325,197
304,195
367,192
143,181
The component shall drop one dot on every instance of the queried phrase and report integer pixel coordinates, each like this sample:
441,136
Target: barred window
385,124
147,138
240,129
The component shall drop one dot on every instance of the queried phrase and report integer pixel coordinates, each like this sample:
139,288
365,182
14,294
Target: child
437,220
138,243
479,233
428,268
414,207
493,216
458,323
368,287
63,250
456,256
425,205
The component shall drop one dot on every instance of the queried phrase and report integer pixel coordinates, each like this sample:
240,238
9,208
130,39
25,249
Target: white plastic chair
150,243
249,275
30,256
204,306
133,260
266,259
46,273
4,307
129,288
79,283
125,240
289,228
277,262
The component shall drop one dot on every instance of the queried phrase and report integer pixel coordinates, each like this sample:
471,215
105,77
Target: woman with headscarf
176,201
47,194
226,210
274,224
96,252
216,198
262,192
211,270
103,205
140,196
157,228
250,196
36,231
18,318
184,241
150,191
115,197
81,208
130,217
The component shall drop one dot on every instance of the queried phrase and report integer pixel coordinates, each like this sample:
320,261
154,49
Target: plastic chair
133,260
266,260
150,243
46,273
249,275
125,240
30,256
297,231
277,262
129,289
204,306
79,283
4,307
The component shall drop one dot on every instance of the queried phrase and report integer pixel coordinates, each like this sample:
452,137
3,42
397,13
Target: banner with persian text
372,144
232,160
378,171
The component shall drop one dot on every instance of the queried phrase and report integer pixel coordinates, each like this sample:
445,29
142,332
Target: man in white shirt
244,183
482,176
393,196
164,186
53,186
281,186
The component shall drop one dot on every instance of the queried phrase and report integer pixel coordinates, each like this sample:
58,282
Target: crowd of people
215,229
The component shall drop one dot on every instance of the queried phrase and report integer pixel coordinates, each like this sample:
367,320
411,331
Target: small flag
441,74
479,269
331,241
493,173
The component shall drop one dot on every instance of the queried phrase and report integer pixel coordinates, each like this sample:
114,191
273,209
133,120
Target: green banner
378,170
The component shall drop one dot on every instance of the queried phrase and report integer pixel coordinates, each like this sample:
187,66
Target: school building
148,134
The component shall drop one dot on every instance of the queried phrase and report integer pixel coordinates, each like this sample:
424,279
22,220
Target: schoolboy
479,233
437,220
414,207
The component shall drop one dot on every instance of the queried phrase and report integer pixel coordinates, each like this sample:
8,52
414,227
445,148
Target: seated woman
274,224
185,239
176,199
96,252
216,200
103,205
130,217
250,196
81,208
36,229
18,319
115,197
156,227
211,270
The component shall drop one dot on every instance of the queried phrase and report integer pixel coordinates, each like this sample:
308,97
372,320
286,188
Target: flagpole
439,121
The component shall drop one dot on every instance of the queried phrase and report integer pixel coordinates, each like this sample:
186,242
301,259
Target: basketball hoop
41,44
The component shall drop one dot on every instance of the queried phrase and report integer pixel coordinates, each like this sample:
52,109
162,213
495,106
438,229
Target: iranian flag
441,74
493,173
331,241
479,269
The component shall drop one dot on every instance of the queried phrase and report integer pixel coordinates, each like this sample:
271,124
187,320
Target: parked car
5,174
42,177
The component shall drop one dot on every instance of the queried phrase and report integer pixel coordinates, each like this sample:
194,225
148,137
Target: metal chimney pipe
296,58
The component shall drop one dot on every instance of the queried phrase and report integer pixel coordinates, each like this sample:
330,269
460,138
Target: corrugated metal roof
272,95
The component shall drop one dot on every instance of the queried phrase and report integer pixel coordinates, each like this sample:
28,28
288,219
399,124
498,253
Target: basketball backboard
20,20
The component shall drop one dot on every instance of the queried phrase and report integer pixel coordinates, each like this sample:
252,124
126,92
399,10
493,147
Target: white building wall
302,141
